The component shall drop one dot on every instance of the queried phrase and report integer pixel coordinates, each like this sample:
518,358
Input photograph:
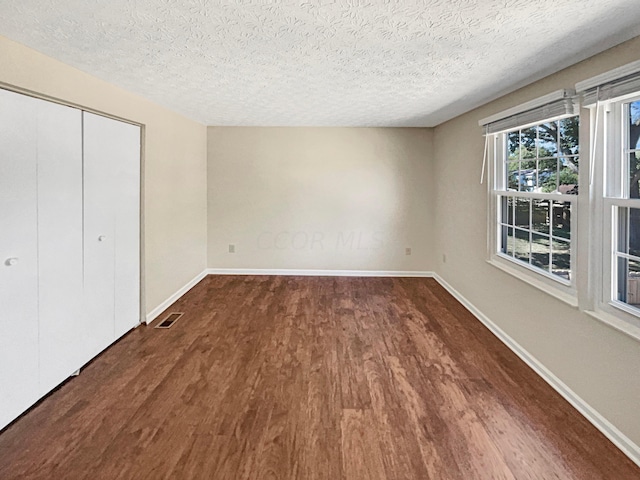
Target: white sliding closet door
112,226
63,331
18,256
69,243
126,140
99,229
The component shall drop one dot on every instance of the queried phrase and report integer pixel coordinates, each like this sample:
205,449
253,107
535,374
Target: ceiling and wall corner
320,63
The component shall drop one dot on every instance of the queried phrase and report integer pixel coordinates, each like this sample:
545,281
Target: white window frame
609,189
565,290
602,181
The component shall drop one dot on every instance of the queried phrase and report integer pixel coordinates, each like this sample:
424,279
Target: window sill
527,277
616,323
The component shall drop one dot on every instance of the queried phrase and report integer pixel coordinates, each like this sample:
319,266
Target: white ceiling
320,62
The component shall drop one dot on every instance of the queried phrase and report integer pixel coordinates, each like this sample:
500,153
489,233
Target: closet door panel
126,157
99,230
18,256
63,334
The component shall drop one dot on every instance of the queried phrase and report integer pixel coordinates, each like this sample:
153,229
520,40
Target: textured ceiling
320,62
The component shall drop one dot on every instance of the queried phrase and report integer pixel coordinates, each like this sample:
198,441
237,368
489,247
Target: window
536,159
622,201
537,176
611,263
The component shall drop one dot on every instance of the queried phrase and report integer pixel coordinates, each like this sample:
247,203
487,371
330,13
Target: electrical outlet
407,251
232,248
444,258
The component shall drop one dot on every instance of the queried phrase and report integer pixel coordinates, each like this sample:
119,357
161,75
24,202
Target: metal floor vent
170,320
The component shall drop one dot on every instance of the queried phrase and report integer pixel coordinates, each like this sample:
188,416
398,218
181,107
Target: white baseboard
319,273
619,439
153,314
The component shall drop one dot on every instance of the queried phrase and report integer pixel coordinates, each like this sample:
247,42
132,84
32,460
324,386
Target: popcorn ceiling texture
320,63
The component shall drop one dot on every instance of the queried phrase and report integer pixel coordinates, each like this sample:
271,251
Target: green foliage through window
545,158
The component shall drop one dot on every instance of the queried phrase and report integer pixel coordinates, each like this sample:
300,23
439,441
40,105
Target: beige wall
599,363
174,171
320,198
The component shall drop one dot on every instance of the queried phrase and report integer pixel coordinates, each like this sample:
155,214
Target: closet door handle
10,262
102,238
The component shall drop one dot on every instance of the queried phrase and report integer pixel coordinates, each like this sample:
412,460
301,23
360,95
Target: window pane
561,259
508,241
540,216
547,175
569,135
513,146
547,139
623,230
512,169
540,250
634,175
568,178
628,275
561,219
629,231
522,245
522,212
507,210
504,210
528,175
634,231
528,142
634,125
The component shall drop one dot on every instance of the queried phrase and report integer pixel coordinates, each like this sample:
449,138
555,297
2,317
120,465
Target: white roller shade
554,105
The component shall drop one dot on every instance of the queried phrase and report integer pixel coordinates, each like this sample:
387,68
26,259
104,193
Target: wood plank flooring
309,378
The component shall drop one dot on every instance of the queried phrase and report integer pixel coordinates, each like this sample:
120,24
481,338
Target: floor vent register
170,320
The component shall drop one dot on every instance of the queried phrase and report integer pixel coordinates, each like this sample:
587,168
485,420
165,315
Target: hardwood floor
309,378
